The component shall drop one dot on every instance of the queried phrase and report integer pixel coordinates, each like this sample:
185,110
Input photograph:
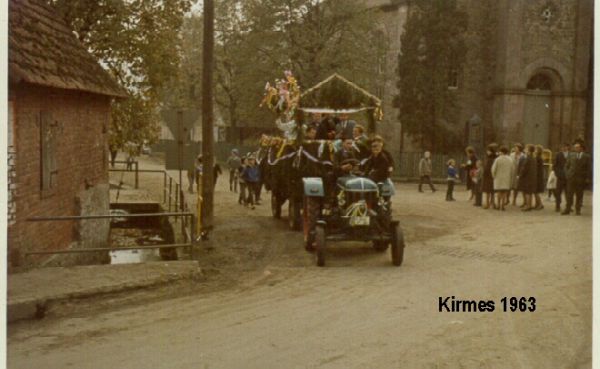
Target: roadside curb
35,307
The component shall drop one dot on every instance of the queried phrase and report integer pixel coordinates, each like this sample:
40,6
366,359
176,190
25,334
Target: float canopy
336,94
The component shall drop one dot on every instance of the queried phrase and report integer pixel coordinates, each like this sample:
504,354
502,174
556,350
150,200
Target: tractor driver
379,165
345,159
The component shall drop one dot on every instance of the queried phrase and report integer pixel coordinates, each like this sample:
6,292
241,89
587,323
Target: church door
538,111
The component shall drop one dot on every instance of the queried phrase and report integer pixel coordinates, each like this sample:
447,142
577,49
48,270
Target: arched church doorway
538,110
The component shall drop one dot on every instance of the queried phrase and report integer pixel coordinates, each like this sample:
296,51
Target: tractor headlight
341,198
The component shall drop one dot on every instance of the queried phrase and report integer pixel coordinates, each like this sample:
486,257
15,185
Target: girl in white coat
502,172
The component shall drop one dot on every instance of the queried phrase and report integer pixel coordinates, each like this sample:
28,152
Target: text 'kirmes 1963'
451,304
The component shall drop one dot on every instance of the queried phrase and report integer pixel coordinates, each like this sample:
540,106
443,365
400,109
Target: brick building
59,111
527,73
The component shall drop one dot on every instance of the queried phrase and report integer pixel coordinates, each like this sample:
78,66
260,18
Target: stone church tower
526,75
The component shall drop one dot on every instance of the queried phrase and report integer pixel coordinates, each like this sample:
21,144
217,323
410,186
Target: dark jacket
488,179
560,161
521,182
528,175
326,125
376,167
578,169
251,174
339,158
342,132
541,183
469,166
452,172
234,162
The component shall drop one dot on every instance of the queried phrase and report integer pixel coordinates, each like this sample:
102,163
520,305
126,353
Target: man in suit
361,142
577,171
344,127
560,161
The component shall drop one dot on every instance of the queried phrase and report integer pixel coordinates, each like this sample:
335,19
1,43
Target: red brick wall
80,154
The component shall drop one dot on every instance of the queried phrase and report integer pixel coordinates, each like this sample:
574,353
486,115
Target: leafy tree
431,56
256,40
138,42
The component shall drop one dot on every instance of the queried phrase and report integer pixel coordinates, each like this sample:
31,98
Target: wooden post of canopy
299,117
371,119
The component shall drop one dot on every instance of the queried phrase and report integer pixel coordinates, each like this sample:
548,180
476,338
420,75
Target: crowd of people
494,181
503,172
355,151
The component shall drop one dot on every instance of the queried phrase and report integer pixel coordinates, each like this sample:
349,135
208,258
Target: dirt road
266,305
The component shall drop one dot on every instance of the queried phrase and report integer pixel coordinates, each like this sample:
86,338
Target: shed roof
43,50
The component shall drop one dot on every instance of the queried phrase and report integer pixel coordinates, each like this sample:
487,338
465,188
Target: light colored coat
425,167
551,184
503,172
515,173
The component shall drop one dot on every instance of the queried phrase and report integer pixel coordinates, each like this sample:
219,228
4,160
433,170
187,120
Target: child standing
251,176
551,185
242,167
476,179
452,177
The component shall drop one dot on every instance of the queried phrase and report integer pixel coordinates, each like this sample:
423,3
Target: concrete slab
29,292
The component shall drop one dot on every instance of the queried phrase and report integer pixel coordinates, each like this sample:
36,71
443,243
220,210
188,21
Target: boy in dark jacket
251,175
452,177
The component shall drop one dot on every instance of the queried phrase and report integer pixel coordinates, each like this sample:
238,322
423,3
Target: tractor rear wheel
320,245
275,206
294,220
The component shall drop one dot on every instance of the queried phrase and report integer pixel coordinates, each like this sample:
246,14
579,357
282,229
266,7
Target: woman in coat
502,171
528,176
517,157
539,188
470,166
488,180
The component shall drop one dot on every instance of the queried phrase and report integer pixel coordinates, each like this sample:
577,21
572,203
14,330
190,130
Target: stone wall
81,122
507,42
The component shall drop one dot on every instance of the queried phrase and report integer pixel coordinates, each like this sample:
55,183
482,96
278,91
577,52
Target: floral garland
283,96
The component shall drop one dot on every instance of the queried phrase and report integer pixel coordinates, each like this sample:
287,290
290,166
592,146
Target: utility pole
207,115
180,155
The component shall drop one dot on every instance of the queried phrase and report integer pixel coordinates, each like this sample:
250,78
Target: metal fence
407,165
190,239
173,198
171,188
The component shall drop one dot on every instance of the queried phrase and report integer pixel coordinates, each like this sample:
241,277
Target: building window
540,82
48,139
453,79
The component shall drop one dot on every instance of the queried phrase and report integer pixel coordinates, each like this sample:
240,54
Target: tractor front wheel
397,242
